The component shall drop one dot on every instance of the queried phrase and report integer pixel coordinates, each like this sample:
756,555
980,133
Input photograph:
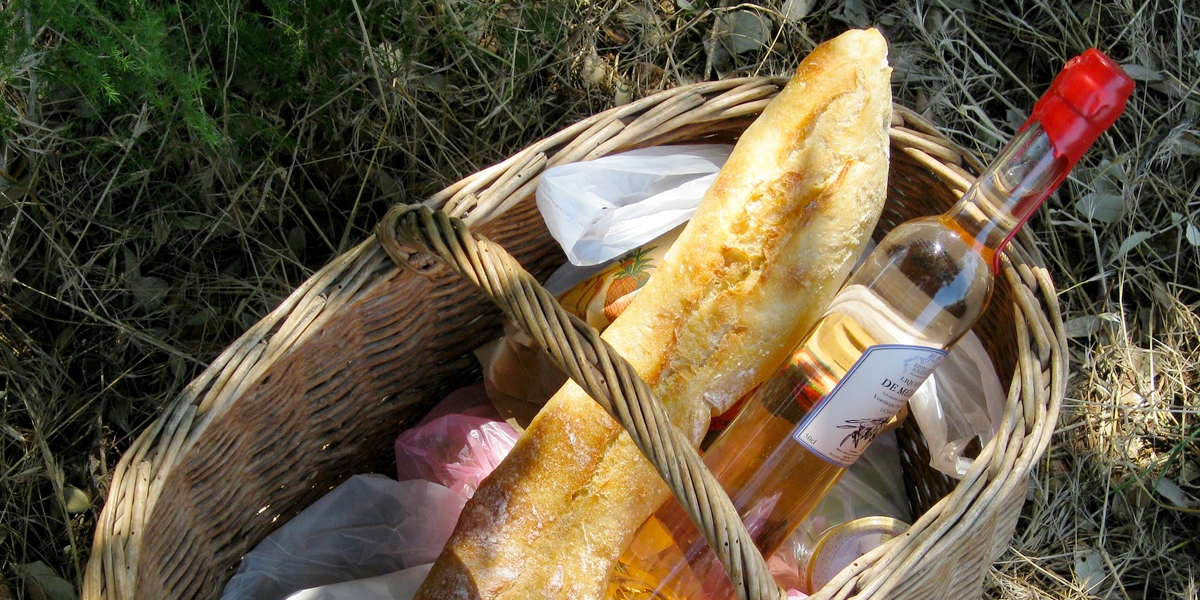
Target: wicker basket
317,390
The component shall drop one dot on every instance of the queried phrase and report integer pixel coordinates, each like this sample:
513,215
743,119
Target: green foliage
197,66
114,55
209,72
13,44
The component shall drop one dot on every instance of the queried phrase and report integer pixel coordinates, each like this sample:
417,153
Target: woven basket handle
407,232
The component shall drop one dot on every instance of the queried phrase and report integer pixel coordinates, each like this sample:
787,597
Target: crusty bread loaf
761,258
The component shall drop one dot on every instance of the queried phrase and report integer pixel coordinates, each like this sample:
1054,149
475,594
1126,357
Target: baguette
772,241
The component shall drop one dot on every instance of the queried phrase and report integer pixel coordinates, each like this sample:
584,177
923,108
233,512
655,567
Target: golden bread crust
772,241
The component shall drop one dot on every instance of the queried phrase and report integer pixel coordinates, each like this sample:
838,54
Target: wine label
841,426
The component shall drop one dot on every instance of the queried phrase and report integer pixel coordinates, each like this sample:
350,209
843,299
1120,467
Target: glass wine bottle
921,289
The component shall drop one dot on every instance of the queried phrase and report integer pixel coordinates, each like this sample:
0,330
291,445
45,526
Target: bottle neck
1008,192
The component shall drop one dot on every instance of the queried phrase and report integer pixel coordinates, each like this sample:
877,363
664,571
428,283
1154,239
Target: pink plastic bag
457,445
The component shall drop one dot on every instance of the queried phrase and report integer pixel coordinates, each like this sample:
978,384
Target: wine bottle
922,288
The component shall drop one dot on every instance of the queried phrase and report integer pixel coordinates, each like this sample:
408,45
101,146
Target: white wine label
841,426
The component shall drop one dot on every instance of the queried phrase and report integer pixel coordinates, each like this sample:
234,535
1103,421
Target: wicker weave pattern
316,390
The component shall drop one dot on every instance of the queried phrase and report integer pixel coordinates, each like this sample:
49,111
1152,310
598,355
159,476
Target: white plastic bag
367,527
962,400
401,585
373,537
600,209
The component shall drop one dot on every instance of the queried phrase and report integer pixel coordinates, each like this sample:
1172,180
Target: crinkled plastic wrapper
598,210
457,445
374,538
367,527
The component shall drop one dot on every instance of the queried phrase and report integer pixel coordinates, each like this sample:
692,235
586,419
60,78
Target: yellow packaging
601,298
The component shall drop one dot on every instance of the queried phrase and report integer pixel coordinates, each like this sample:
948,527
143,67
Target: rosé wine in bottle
921,289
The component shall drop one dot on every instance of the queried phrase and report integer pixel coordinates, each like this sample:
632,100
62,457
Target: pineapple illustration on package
601,298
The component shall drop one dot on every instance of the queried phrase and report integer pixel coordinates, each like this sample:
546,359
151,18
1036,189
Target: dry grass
134,249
